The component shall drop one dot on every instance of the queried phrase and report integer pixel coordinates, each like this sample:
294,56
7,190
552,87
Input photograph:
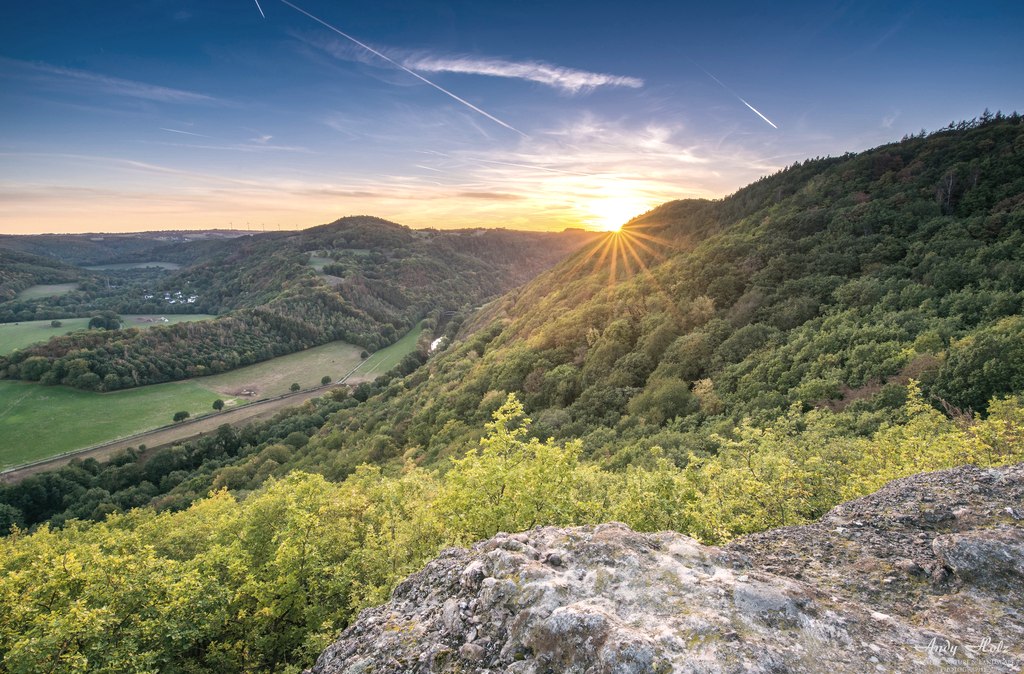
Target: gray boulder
922,576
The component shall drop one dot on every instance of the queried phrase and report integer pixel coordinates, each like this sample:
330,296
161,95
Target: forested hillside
18,271
378,280
99,249
829,285
717,368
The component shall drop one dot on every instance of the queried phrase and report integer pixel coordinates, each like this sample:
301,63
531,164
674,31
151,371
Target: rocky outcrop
925,575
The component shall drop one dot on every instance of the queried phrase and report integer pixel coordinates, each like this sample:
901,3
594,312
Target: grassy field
274,377
39,421
149,320
19,335
317,262
135,265
35,292
381,361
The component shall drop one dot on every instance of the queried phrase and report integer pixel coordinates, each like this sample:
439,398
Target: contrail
187,133
752,108
757,112
411,72
261,9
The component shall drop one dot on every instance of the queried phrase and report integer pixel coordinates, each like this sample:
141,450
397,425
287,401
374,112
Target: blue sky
182,114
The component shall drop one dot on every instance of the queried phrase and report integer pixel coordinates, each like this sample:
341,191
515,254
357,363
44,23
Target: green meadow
39,421
381,361
275,377
19,335
35,292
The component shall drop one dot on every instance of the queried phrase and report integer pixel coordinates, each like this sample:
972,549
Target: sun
631,246
610,214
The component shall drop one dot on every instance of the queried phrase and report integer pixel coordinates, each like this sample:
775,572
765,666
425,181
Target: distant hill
373,282
19,271
97,249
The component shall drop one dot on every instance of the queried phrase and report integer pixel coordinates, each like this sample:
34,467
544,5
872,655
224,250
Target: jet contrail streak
187,133
752,108
758,113
261,9
411,72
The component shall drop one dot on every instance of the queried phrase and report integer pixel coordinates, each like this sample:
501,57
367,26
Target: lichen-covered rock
985,557
922,576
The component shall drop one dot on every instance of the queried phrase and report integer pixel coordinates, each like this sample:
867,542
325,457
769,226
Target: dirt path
184,431
162,437
187,430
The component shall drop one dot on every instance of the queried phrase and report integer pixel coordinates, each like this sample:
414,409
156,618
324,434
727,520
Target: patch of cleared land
19,335
135,265
384,360
318,262
35,292
40,421
149,320
274,377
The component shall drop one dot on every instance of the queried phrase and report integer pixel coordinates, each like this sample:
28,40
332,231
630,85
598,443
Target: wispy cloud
491,196
567,79
590,171
96,82
408,70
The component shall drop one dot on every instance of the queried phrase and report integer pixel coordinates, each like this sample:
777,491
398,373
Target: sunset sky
183,114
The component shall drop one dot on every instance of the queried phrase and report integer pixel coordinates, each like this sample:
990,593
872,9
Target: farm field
306,368
35,292
19,335
274,377
39,421
170,266
381,361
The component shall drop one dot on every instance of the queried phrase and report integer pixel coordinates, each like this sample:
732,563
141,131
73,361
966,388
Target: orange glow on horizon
611,213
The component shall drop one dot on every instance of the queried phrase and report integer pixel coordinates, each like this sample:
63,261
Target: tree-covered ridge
830,284
383,278
184,247
21,270
265,583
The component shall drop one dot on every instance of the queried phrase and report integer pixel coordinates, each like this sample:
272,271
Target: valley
511,338
715,368
37,422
